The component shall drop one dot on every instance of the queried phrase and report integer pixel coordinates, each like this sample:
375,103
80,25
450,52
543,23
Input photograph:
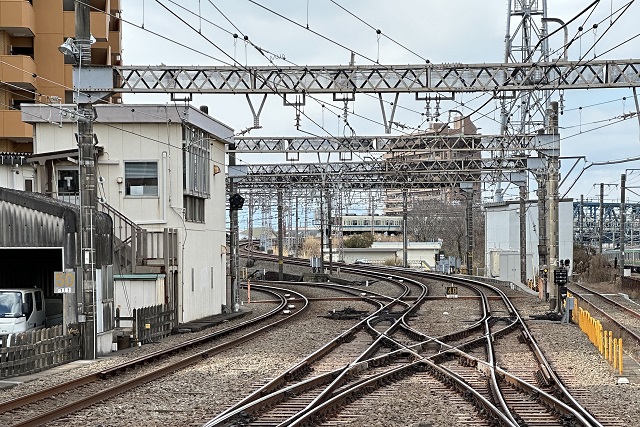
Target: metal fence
34,351
152,323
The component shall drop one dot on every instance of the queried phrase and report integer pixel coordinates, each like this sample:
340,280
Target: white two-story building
160,172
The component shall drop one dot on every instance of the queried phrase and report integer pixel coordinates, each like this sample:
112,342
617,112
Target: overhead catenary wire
262,51
380,32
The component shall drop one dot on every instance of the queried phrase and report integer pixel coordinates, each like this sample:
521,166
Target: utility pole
340,211
233,238
601,218
280,237
523,232
541,177
250,225
322,230
467,189
405,238
581,218
470,233
88,198
623,183
297,239
552,194
329,233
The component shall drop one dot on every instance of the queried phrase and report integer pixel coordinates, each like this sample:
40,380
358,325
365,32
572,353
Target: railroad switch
346,313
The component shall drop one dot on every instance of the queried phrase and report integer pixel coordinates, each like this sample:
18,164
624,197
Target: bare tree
430,220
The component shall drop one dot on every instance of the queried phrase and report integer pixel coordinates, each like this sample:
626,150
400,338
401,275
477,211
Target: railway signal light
236,202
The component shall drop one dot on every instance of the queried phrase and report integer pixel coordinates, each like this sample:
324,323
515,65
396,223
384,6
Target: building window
193,208
196,162
141,178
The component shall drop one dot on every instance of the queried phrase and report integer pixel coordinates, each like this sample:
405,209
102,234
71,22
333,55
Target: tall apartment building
451,142
32,70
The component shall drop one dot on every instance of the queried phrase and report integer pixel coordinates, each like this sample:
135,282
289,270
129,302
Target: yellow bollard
611,344
606,346
615,348
620,355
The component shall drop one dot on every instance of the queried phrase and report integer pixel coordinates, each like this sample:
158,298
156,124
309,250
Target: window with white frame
196,161
141,178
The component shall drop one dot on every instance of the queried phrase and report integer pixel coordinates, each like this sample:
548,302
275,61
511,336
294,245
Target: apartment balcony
18,70
12,127
17,18
99,25
110,49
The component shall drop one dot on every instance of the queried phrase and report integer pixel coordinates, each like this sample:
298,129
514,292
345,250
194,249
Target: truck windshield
10,303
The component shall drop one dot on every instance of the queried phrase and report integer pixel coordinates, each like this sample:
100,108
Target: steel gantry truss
383,174
411,161
428,143
339,79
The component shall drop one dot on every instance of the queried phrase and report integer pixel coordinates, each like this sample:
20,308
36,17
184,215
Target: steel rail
258,399
377,381
157,373
573,407
578,409
304,366
342,378
622,327
139,361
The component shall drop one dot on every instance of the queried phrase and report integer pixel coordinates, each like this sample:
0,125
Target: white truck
22,310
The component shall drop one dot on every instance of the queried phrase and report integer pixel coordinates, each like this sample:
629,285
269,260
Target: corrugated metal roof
35,220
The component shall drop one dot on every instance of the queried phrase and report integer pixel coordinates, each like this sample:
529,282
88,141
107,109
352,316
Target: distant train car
356,224
631,258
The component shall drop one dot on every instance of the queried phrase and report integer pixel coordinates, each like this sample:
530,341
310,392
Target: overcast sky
453,31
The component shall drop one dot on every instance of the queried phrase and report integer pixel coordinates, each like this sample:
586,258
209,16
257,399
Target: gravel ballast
200,392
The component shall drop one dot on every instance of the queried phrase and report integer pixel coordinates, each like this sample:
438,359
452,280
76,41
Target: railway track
68,397
303,387
618,312
487,364
398,352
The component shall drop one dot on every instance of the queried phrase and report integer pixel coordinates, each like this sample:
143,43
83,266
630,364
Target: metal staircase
139,251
